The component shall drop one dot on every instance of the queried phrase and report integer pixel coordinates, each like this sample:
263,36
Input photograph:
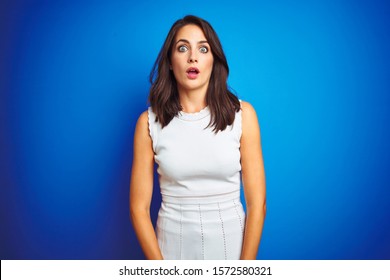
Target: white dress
201,215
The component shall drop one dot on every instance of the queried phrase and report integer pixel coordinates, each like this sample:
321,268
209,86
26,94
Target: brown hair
164,95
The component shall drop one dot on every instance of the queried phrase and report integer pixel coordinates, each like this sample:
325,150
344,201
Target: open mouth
192,72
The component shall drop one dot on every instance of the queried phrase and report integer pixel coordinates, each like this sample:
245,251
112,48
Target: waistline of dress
204,199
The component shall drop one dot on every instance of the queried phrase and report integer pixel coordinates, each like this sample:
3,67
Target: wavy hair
164,95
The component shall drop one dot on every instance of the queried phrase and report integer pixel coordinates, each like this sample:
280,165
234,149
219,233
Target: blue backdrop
74,79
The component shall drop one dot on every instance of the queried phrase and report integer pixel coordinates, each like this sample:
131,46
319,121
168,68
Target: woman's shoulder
143,118
147,125
247,109
142,140
249,116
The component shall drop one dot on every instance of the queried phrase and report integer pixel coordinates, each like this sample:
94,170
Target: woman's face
191,59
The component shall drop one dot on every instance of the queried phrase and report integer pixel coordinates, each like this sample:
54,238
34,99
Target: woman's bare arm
253,178
141,189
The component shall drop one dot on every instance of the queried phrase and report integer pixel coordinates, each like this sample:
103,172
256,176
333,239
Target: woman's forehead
190,32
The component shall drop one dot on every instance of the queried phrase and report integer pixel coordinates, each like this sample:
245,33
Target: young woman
204,141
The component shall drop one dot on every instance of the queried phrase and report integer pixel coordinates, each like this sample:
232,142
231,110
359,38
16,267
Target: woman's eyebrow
188,42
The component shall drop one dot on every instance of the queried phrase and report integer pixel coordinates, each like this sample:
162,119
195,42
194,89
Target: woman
202,137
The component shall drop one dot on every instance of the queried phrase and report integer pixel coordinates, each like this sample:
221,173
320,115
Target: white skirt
201,231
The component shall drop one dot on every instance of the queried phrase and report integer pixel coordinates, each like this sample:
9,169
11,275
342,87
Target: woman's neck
192,101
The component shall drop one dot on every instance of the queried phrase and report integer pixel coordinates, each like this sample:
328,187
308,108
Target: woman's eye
203,49
183,48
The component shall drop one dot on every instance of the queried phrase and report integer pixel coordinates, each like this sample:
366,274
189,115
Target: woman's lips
192,73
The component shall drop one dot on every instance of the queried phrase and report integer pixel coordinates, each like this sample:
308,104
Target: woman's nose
192,57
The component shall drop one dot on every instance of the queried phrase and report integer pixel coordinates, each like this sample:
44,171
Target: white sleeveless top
195,165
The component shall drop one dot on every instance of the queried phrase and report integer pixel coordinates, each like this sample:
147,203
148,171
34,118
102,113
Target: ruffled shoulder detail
238,122
154,127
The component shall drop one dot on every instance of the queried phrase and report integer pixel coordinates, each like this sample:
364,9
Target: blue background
74,79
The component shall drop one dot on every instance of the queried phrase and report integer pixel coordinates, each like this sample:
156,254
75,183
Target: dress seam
223,231
181,232
238,215
201,230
